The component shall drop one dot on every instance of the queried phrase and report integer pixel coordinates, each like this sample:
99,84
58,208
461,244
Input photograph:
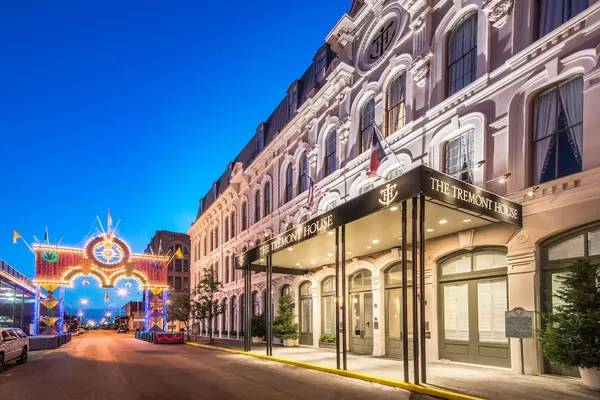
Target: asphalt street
107,365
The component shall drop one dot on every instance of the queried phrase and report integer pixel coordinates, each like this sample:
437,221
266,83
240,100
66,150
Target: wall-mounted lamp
501,179
474,167
532,191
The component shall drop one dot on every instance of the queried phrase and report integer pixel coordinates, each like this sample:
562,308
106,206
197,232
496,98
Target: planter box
327,345
289,342
257,339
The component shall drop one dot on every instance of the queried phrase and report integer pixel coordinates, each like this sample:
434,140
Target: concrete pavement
106,365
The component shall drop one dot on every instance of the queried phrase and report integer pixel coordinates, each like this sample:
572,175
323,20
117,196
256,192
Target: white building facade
505,85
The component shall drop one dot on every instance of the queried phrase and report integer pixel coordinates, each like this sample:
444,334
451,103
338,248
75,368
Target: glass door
306,328
361,323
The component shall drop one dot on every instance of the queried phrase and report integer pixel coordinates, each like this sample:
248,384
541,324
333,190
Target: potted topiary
571,335
283,326
327,341
259,328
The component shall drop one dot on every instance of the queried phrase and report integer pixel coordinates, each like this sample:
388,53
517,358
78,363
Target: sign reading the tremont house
296,235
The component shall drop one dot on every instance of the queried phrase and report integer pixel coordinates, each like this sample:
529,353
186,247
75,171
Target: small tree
204,304
180,309
571,336
283,325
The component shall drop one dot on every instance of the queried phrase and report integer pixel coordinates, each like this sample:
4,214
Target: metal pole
337,298
404,297
415,315
245,310
344,314
249,310
422,286
268,306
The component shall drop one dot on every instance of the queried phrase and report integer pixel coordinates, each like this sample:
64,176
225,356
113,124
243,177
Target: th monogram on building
486,110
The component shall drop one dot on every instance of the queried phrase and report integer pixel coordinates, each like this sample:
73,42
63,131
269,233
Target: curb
444,394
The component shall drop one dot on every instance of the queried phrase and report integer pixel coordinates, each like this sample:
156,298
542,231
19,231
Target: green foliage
327,338
571,336
258,326
180,308
283,325
204,304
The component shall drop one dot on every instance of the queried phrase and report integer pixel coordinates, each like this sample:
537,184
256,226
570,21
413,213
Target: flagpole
116,226
27,244
47,236
100,222
376,128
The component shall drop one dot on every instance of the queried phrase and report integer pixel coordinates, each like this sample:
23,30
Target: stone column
522,293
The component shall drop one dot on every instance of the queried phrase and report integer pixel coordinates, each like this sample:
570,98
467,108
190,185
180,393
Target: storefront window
328,304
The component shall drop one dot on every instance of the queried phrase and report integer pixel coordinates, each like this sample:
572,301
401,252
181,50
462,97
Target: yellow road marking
444,394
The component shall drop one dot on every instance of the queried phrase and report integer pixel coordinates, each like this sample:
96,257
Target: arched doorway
473,297
242,316
328,306
224,330
306,315
361,313
558,253
233,317
393,310
255,304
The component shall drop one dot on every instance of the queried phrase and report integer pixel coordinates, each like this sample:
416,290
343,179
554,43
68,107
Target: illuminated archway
136,276
77,272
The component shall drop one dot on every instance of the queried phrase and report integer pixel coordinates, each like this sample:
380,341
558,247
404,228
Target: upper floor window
330,153
303,174
216,236
260,139
267,197
186,251
320,65
178,265
257,206
367,118
293,101
558,131
244,216
226,229
289,183
226,274
205,245
554,13
186,265
212,240
462,54
459,154
232,224
396,104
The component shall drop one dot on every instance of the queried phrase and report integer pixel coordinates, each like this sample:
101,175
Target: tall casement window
330,153
257,206
255,304
260,139
293,101
233,317
320,67
212,240
554,13
226,274
224,317
472,301
233,233
558,131
205,245
216,236
395,104
286,290
226,229
367,118
303,174
289,183
267,198
244,216
459,157
462,54
328,306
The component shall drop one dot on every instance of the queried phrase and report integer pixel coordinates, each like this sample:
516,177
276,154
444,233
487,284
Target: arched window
244,216
233,233
289,183
395,104
255,304
462,54
226,229
233,317
558,131
205,249
305,289
459,156
366,120
212,239
328,306
186,252
361,281
224,318
267,197
226,278
256,206
330,153
303,174
286,290
216,236
554,13
242,315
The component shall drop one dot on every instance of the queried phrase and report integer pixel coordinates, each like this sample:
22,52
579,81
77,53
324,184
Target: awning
373,221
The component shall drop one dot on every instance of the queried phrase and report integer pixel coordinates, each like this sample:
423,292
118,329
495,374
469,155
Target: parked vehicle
122,329
14,346
74,332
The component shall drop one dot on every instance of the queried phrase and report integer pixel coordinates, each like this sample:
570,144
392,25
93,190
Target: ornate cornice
420,68
498,11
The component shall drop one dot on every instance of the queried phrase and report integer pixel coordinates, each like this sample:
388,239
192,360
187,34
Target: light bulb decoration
106,296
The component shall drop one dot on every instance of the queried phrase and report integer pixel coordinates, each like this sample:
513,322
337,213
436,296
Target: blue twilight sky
136,106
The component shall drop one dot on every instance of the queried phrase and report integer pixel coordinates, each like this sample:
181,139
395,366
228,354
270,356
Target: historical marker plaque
518,323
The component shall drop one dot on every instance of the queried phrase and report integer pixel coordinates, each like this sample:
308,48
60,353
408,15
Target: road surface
106,365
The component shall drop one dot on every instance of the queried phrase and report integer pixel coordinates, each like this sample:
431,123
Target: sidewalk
484,382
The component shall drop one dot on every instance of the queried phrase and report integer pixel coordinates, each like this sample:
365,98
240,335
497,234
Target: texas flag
377,153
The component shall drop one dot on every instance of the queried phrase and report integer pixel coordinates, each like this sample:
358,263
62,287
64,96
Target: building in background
17,294
500,94
178,269
133,312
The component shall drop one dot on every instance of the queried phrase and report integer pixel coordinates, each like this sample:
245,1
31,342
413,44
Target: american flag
313,193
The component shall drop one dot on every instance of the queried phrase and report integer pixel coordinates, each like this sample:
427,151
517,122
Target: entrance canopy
373,221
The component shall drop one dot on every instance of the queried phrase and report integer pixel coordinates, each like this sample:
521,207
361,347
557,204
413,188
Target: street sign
518,323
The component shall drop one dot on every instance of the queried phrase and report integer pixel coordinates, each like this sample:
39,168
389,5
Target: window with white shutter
492,302
456,311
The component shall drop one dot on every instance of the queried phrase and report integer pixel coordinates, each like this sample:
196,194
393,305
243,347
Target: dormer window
260,139
320,67
293,100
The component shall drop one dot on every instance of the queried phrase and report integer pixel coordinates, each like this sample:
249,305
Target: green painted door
393,318
361,322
